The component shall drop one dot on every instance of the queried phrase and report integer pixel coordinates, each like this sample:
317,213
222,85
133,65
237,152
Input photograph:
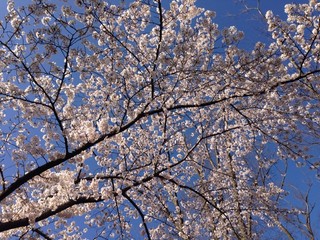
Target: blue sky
233,12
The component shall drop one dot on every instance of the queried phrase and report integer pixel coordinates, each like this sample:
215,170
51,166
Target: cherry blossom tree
144,117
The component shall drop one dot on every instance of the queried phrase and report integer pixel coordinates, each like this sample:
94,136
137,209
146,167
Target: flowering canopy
143,116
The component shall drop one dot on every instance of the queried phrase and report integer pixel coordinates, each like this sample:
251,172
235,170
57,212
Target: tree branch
4,226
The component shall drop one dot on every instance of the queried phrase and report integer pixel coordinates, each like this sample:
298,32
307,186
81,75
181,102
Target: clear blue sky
233,12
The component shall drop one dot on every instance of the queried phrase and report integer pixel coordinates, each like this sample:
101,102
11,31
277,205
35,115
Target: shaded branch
140,213
4,226
42,234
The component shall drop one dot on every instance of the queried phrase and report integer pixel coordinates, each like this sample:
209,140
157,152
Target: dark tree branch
42,234
4,226
140,213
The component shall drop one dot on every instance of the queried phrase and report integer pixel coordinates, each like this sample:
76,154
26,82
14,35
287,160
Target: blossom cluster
145,115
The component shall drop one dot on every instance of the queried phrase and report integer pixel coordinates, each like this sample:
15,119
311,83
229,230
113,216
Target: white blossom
148,115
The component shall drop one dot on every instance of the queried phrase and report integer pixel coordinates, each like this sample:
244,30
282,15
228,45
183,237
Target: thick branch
4,226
